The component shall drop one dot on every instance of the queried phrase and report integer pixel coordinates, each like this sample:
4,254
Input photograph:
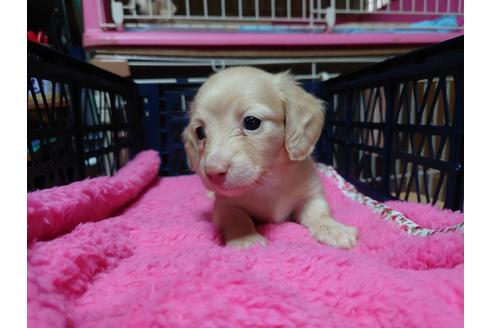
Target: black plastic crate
165,108
82,121
395,129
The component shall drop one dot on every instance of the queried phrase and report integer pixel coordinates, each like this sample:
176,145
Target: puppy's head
245,122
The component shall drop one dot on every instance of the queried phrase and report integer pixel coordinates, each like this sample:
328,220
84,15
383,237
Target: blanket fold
55,211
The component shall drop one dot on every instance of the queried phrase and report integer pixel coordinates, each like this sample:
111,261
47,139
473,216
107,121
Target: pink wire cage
96,34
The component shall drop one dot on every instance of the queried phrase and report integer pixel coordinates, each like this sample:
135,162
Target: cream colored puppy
249,139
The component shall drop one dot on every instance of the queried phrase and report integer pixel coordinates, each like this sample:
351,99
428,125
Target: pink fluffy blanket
138,251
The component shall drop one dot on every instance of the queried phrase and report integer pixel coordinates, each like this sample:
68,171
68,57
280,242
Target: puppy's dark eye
251,123
200,133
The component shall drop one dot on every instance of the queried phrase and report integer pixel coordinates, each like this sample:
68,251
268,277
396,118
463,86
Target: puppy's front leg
315,216
236,226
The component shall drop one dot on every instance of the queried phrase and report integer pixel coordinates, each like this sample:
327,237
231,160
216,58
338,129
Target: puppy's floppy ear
304,117
191,148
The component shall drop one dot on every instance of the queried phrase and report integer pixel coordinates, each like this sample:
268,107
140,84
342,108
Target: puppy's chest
273,204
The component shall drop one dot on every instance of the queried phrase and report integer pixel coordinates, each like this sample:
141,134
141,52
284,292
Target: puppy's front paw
335,234
247,241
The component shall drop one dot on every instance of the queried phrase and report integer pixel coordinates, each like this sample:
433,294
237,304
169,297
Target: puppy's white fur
164,8
267,174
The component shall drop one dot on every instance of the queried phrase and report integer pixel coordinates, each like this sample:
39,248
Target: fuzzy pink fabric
161,263
58,210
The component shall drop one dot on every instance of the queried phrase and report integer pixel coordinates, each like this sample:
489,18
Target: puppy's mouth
231,189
